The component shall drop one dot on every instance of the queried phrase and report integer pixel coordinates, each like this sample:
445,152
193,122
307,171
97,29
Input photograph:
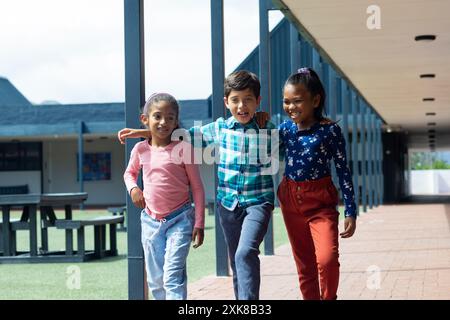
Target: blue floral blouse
308,154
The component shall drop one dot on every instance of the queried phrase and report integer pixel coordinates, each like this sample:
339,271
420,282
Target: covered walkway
398,252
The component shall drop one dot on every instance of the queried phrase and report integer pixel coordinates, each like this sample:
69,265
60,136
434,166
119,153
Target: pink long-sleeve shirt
167,173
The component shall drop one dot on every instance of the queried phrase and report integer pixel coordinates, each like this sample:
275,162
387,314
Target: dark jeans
244,230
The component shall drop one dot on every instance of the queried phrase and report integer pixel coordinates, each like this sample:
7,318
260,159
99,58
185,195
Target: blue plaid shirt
245,171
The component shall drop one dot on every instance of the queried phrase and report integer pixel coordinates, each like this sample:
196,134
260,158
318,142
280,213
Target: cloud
72,51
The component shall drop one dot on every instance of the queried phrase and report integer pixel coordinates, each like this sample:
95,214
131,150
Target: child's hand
262,118
197,237
350,227
138,197
133,133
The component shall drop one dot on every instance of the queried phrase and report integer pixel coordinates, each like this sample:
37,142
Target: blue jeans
166,244
244,230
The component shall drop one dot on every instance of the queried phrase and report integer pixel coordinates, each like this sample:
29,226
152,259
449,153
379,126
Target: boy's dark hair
242,80
309,78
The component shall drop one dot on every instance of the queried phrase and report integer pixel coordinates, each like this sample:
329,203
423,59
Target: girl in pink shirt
168,220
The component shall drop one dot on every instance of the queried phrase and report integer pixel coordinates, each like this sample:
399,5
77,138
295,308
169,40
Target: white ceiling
385,64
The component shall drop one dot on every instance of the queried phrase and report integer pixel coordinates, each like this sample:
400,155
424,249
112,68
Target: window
21,156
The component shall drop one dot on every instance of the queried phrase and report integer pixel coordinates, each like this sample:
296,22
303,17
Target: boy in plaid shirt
245,195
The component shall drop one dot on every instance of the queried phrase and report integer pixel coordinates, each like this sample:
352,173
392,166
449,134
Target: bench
99,224
121,211
21,189
15,225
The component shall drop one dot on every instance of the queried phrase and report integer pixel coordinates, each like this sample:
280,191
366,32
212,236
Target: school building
40,146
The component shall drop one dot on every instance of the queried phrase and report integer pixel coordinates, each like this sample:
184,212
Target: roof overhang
385,64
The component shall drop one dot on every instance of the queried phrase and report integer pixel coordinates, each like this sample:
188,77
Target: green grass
101,279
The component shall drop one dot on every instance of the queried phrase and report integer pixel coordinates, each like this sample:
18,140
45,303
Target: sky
72,51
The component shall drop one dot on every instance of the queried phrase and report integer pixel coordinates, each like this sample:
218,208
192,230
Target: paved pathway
398,252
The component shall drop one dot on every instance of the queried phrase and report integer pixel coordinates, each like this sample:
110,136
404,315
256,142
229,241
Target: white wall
60,170
430,182
16,178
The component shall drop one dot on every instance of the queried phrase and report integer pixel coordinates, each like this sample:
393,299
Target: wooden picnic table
28,221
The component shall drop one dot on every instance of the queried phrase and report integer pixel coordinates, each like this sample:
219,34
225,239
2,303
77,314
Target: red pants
311,218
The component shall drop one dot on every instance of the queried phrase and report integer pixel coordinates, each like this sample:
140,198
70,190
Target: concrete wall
60,170
16,178
430,182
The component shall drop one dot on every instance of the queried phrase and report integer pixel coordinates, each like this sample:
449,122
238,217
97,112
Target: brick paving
397,252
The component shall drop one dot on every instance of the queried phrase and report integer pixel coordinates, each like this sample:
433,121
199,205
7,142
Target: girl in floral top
307,196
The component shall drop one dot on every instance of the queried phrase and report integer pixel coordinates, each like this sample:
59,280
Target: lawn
101,279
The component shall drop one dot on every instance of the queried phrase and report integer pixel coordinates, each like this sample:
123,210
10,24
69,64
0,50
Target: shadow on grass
108,259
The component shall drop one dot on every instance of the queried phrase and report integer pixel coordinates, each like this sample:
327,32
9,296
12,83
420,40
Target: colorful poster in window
96,166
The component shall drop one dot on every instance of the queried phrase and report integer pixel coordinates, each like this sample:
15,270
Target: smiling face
161,120
242,104
299,104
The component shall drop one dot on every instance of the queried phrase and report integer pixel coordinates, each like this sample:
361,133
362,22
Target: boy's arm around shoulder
208,133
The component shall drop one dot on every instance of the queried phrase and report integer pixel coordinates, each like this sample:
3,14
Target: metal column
134,99
218,72
81,158
332,93
374,159
316,61
306,54
363,112
330,105
344,102
264,74
295,48
355,154
380,162
370,185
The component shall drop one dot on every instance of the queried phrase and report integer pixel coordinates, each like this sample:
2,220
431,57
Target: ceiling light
427,75
428,99
425,37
